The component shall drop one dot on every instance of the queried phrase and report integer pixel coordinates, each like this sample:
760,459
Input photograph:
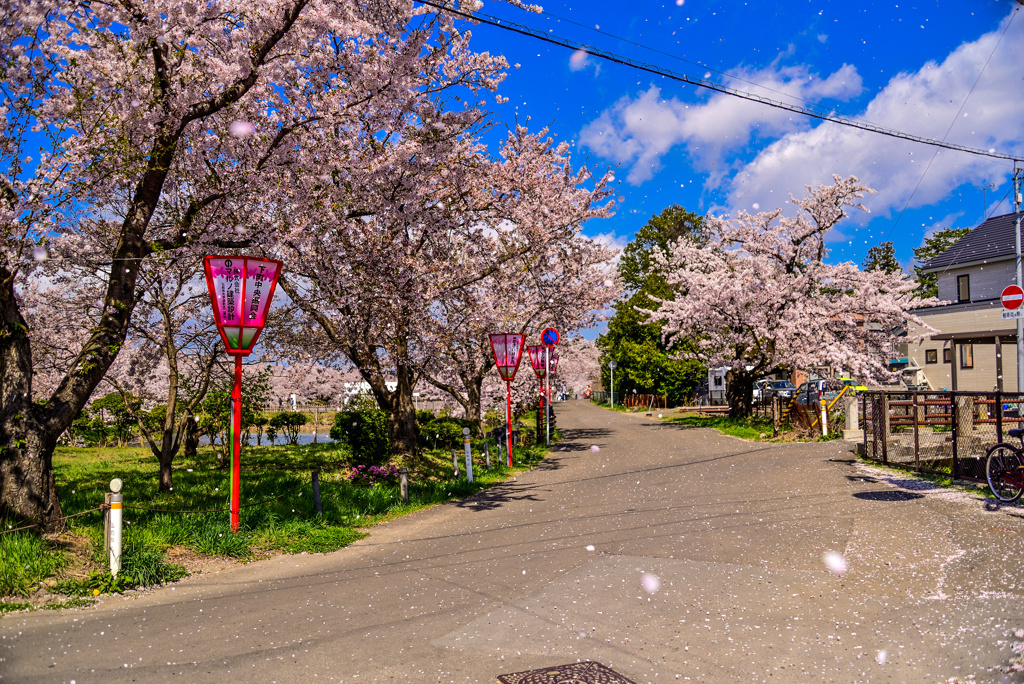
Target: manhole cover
574,673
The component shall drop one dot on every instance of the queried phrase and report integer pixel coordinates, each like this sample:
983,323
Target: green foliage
214,412
289,423
10,607
365,434
645,363
939,242
882,257
116,414
25,561
744,428
444,431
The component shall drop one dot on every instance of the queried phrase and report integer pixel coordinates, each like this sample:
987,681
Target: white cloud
794,151
923,103
640,131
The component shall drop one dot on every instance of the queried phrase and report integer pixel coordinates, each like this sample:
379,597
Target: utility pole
1020,277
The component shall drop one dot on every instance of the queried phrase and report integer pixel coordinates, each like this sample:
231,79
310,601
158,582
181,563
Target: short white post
116,502
487,456
469,454
405,485
824,415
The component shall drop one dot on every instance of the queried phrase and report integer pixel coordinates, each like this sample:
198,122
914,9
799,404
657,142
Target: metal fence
937,432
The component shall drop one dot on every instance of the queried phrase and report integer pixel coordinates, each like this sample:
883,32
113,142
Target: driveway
666,553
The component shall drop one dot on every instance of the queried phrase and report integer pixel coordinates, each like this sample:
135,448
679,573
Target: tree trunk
739,392
402,415
28,491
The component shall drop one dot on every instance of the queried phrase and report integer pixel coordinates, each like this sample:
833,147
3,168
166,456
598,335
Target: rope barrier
211,510
66,517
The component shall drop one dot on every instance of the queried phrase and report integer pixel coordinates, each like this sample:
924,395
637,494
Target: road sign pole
1020,278
547,393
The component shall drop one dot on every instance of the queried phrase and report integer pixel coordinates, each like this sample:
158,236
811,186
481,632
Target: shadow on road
888,495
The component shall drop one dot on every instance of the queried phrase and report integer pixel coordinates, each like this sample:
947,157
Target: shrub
365,433
371,475
444,432
288,423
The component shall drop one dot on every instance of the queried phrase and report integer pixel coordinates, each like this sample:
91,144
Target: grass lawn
280,517
745,428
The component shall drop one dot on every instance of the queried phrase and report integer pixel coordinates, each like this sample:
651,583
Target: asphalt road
665,553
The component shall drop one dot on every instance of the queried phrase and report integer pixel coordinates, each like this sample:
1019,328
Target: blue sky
950,70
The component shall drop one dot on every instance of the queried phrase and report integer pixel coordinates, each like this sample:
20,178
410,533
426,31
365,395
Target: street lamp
538,359
241,289
508,352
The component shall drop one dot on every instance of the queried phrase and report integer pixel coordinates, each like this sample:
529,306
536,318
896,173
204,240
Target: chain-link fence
938,432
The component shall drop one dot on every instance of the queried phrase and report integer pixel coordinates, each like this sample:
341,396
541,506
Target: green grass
278,513
744,428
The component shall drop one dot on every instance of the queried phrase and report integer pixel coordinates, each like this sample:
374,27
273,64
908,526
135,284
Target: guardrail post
469,454
917,437
885,427
316,492
405,485
116,505
999,416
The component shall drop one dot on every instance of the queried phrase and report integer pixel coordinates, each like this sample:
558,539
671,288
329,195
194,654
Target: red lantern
508,351
241,289
537,353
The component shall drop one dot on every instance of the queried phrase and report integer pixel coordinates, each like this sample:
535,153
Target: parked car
853,385
809,392
780,388
761,390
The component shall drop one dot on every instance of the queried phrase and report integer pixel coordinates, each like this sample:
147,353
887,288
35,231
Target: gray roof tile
991,240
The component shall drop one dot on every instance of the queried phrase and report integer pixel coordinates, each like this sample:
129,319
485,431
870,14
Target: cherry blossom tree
156,126
524,295
380,280
759,296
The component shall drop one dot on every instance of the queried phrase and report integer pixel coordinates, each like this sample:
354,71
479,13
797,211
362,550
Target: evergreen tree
928,283
644,362
882,258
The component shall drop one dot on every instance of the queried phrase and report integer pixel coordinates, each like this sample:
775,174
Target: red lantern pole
508,418
241,289
507,349
236,443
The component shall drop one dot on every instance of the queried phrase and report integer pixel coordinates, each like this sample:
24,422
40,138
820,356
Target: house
966,354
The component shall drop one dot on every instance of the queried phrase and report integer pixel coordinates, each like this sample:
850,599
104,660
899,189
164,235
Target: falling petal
590,547
241,129
595,448
835,562
881,657
651,583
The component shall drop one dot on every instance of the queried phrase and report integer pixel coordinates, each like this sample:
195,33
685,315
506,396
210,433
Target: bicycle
1004,468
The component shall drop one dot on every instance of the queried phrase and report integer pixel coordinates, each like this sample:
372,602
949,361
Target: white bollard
405,485
116,501
469,454
824,417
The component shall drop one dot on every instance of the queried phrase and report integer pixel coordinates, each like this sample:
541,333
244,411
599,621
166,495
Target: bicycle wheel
1000,459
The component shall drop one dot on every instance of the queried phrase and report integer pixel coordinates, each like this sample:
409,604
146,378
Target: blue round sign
549,337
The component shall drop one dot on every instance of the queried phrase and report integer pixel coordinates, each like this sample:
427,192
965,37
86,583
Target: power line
952,123
710,85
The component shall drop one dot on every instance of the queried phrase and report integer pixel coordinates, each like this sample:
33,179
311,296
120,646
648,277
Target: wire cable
710,85
952,123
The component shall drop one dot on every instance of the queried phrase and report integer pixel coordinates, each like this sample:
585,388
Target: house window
947,356
718,381
967,356
931,355
963,288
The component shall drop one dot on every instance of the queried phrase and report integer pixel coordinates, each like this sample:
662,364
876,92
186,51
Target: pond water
322,436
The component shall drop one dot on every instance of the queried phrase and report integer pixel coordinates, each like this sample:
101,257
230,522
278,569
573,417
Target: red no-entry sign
1012,297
